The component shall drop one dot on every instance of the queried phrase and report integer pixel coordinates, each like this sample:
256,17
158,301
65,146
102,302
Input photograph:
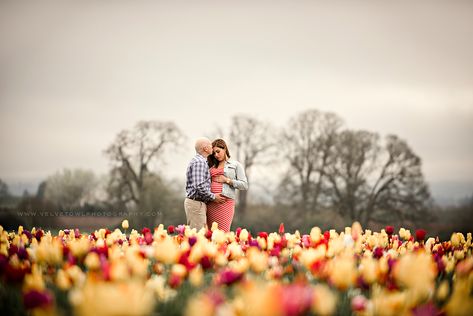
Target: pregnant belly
216,187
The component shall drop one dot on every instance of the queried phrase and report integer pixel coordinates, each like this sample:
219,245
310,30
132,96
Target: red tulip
228,276
174,281
263,235
420,234
39,234
275,252
34,298
281,228
14,274
327,235
184,260
149,238
378,252
205,263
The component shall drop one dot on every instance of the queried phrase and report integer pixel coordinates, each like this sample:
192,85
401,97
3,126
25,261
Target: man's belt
195,199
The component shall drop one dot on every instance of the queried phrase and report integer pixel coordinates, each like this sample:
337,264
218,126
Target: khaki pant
196,213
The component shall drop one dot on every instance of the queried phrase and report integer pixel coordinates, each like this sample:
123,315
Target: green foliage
11,300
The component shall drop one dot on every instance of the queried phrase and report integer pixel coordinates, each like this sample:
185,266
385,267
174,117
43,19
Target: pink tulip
296,299
358,303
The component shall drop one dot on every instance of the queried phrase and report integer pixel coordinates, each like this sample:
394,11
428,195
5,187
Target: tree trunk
242,201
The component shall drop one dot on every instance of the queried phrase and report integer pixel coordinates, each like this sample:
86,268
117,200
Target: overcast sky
72,75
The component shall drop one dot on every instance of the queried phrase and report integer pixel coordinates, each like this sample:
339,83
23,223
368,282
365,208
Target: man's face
207,148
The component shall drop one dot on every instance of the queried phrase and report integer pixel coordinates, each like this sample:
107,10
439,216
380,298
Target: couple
212,178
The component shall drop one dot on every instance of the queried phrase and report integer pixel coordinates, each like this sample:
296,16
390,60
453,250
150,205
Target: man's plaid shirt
198,180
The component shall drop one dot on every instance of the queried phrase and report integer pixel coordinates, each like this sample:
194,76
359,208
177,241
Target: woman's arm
240,182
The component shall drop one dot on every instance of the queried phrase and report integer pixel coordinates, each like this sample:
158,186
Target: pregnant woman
227,175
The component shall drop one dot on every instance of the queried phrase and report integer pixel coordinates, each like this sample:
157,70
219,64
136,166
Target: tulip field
181,271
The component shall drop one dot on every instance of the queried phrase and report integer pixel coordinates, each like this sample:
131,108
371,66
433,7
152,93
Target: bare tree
354,160
252,140
369,182
307,144
133,154
70,188
4,192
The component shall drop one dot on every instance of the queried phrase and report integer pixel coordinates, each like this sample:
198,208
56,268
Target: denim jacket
234,170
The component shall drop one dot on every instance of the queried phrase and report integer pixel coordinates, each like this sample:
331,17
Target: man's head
203,146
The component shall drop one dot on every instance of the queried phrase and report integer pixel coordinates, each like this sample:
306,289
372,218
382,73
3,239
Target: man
198,186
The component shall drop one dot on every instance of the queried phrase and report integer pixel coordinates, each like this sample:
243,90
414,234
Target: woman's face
219,153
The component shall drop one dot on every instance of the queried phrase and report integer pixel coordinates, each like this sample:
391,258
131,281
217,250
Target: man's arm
200,178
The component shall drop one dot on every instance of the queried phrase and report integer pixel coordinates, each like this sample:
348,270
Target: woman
226,176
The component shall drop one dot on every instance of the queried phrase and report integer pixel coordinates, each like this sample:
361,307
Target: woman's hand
221,179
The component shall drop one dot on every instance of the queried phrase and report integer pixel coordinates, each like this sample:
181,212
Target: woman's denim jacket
234,170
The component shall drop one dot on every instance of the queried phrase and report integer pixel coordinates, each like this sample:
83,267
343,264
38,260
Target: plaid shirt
198,180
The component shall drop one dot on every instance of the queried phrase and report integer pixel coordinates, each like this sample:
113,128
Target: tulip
107,298
34,299
228,277
243,235
62,280
343,272
296,299
368,269
218,236
281,229
443,290
455,239
325,301
356,230
420,235
166,251
200,304
192,240
196,276
378,252
359,303
258,260
148,237
92,261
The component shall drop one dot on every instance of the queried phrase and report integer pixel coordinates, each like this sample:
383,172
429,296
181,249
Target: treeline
319,172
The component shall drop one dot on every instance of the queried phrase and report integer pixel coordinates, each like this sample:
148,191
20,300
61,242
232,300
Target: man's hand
219,198
220,179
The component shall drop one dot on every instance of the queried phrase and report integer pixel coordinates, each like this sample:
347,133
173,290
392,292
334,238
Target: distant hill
451,193
444,193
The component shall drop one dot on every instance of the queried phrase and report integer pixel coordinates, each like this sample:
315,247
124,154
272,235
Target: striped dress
222,213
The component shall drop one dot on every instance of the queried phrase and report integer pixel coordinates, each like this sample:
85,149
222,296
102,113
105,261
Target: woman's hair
220,143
